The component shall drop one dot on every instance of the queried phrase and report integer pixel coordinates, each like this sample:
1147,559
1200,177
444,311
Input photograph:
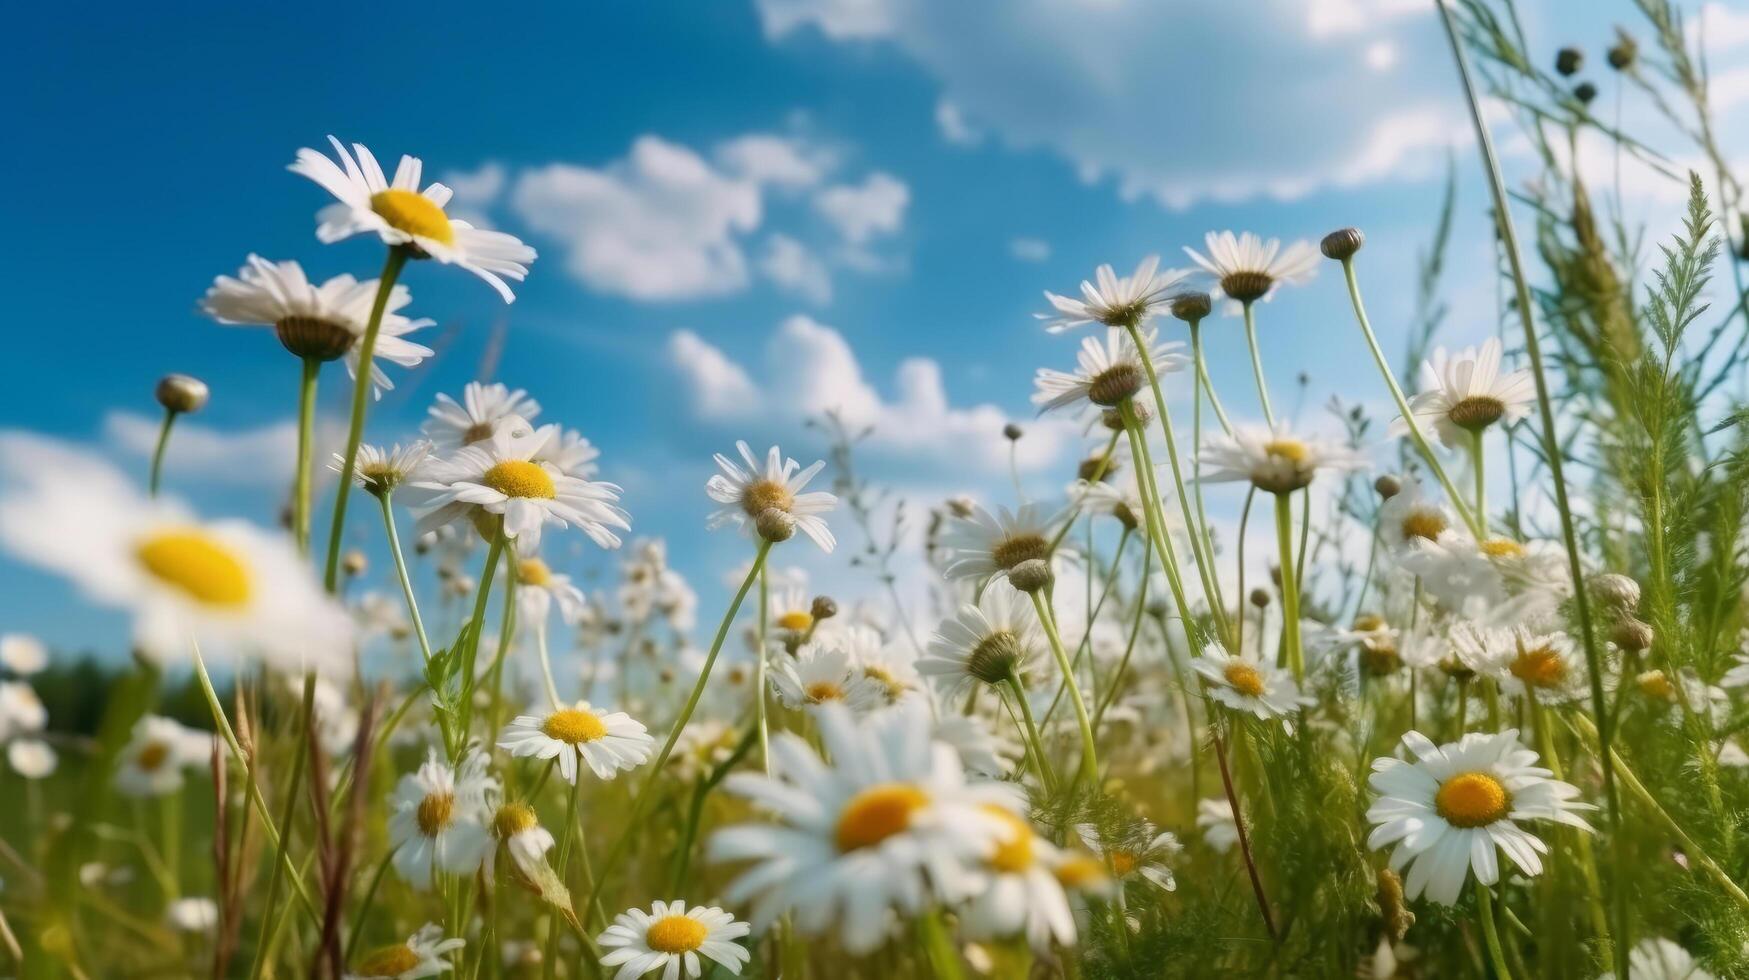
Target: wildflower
1273,460
608,742
888,823
1409,518
988,643
1108,373
403,215
502,478
378,471
1657,958
192,914
822,673
424,954
1214,818
1245,684
1449,809
572,453
982,544
1248,269
485,409
538,588
1147,861
21,711
1465,393
752,490
670,936
1021,894
888,667
1547,665
31,758
517,829
439,820
319,323
790,612
180,393
154,758
22,654
1114,301
981,750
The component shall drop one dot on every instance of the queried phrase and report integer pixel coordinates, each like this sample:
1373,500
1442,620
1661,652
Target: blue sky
907,176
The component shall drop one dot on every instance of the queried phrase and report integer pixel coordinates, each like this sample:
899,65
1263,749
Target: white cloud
784,161
259,457
954,128
1030,249
810,369
1722,26
791,265
862,211
1369,94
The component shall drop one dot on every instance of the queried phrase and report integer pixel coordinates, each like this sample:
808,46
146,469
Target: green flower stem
1478,468
550,962
1198,532
294,787
158,452
1045,774
476,623
760,721
1123,663
1206,386
1545,736
1152,517
1290,586
654,771
944,958
370,895
1086,643
1257,364
1089,752
1415,434
306,435
1490,935
406,581
360,399
1099,471
546,664
506,637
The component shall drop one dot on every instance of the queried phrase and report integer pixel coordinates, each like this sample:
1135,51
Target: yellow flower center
1425,524
520,478
1081,872
765,495
1015,550
1654,683
1014,847
1502,548
892,686
435,813
1472,799
573,725
390,961
1122,862
1244,678
823,691
1292,450
1539,667
1368,623
152,756
676,934
533,571
413,213
796,621
197,565
877,813
512,819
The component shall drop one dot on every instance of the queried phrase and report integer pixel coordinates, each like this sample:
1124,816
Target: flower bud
1260,598
1387,486
1616,591
1012,432
1569,60
354,563
775,525
1585,92
182,393
1030,575
824,607
1624,52
1342,243
1632,635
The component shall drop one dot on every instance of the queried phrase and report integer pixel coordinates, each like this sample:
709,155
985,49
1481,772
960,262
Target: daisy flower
1214,818
22,654
501,477
751,490
888,824
889,667
539,588
439,819
228,586
1244,684
1115,301
31,758
1106,373
424,954
318,322
790,611
987,643
1465,393
1143,855
403,215
1247,268
572,453
607,742
378,471
1273,460
153,760
986,545
21,711
822,673
516,827
192,914
1021,894
1410,517
1458,573
1657,958
671,938
981,750
483,411
1548,665
1454,806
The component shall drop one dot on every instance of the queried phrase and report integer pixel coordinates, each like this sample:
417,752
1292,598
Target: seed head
1569,60
182,393
1030,575
1342,243
823,608
1624,52
1585,92
1260,598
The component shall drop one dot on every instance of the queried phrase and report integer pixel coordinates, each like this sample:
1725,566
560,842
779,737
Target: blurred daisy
318,322
378,471
424,954
227,585
1115,301
31,758
985,545
154,758
1121,501
1453,806
1247,268
983,644
980,748
517,829
1274,460
484,410
753,489
1462,394
1143,854
192,914
1738,674
1548,665
1410,517
539,588
608,742
1106,373
1214,818
890,667
572,453
1022,894
402,214
789,611
1657,958
501,477
22,654
1244,684
672,938
21,711
890,823
822,673
439,819
1458,573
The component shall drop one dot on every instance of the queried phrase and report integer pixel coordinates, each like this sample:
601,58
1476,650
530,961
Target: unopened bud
1013,432
1260,598
182,393
775,525
824,607
1616,591
1387,486
1632,635
1624,51
1030,575
1342,243
1585,92
354,563
1569,60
